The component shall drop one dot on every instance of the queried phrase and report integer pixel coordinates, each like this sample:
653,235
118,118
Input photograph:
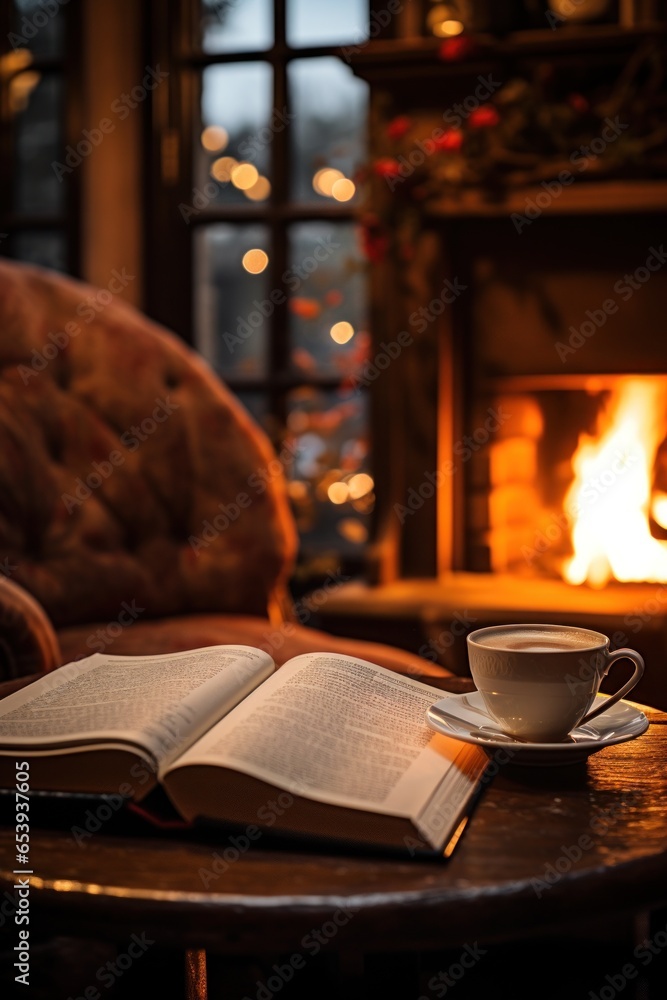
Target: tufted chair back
128,472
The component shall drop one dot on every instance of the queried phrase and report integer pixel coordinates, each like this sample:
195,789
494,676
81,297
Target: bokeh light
352,529
338,492
221,169
244,176
360,484
214,138
324,180
255,261
260,190
343,189
342,332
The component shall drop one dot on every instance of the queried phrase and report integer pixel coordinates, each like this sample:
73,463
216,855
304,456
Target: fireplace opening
560,339
578,483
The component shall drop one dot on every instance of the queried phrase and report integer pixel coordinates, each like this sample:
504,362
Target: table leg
196,987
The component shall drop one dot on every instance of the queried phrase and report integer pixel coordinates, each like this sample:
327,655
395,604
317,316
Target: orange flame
610,497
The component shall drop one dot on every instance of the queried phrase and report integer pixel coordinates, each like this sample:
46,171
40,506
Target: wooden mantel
393,60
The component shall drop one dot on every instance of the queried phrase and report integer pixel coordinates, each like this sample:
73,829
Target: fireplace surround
477,423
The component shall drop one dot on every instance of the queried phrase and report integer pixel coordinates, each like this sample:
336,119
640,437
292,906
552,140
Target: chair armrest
28,643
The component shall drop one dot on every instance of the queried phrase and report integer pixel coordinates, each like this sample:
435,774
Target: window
37,203
273,134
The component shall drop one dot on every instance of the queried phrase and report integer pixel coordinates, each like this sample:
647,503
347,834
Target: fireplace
520,442
532,481
564,345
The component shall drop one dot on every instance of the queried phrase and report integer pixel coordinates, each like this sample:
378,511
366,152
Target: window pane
238,125
329,128
330,485
328,319
44,248
236,25
257,405
327,22
37,189
231,302
38,27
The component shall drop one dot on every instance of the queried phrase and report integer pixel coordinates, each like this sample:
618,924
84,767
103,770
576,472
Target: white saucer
464,717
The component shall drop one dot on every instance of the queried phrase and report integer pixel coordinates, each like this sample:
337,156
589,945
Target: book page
342,731
161,703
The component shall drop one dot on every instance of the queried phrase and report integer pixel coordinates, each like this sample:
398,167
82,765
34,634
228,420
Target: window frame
69,67
171,124
170,132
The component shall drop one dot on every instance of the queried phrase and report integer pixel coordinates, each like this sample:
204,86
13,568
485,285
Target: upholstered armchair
131,519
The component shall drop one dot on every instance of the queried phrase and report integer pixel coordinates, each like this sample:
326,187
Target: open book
327,746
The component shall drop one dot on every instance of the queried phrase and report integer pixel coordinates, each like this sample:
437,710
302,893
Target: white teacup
539,681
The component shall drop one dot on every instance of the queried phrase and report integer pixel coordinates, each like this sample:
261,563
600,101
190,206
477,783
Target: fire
611,496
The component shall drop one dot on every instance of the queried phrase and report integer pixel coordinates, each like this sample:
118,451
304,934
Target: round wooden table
542,845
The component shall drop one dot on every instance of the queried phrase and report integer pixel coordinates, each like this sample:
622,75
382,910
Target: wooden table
509,875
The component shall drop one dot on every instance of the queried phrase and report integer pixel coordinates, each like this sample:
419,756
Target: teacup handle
619,654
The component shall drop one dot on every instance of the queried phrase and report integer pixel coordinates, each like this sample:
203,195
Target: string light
324,180
214,138
338,492
442,24
360,484
20,89
353,530
255,261
343,189
448,28
260,190
341,332
221,169
244,176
